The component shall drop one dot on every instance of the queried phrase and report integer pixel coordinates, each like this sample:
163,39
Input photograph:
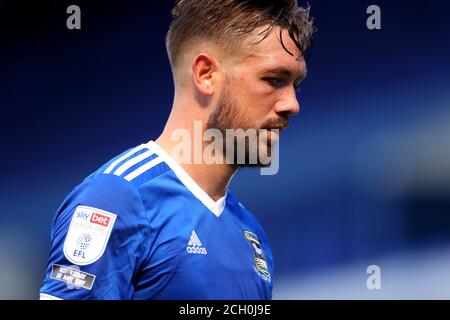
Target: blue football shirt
141,228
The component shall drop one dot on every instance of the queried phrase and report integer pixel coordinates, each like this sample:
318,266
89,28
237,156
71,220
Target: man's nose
289,104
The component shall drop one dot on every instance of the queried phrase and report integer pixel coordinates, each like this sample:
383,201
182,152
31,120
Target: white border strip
45,296
143,168
127,165
131,152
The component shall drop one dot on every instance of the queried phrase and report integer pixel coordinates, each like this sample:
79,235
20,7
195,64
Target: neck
212,178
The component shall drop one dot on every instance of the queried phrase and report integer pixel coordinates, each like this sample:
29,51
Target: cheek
255,97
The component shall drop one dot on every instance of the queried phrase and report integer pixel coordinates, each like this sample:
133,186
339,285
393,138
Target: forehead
270,53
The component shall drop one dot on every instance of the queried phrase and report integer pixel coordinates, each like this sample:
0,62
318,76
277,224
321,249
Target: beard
238,147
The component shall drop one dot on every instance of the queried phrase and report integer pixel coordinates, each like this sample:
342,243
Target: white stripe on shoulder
128,154
45,296
127,165
143,168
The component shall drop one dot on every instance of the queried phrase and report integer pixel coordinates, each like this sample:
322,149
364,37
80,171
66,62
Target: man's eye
275,82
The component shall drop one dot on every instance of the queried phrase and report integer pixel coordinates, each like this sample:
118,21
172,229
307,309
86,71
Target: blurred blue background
365,168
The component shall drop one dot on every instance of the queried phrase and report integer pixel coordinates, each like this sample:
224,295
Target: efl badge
258,255
88,235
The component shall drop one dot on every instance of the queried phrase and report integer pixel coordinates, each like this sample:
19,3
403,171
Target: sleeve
96,243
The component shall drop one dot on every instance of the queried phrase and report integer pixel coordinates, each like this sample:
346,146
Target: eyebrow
286,72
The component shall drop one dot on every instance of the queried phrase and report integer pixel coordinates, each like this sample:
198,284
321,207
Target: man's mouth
279,125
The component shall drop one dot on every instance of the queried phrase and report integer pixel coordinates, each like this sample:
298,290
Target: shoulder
115,187
120,179
135,166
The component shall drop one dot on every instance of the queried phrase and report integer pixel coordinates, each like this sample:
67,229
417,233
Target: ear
203,68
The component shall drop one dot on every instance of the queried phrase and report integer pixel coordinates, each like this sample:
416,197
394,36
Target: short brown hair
231,21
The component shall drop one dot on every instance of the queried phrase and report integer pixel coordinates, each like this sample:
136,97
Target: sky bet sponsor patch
88,235
73,277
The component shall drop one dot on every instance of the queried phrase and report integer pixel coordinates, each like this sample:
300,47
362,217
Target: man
153,223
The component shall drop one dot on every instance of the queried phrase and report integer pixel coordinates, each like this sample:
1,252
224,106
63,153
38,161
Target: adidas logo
195,245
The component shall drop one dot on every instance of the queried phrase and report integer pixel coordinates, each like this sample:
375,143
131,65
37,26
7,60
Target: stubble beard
229,115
